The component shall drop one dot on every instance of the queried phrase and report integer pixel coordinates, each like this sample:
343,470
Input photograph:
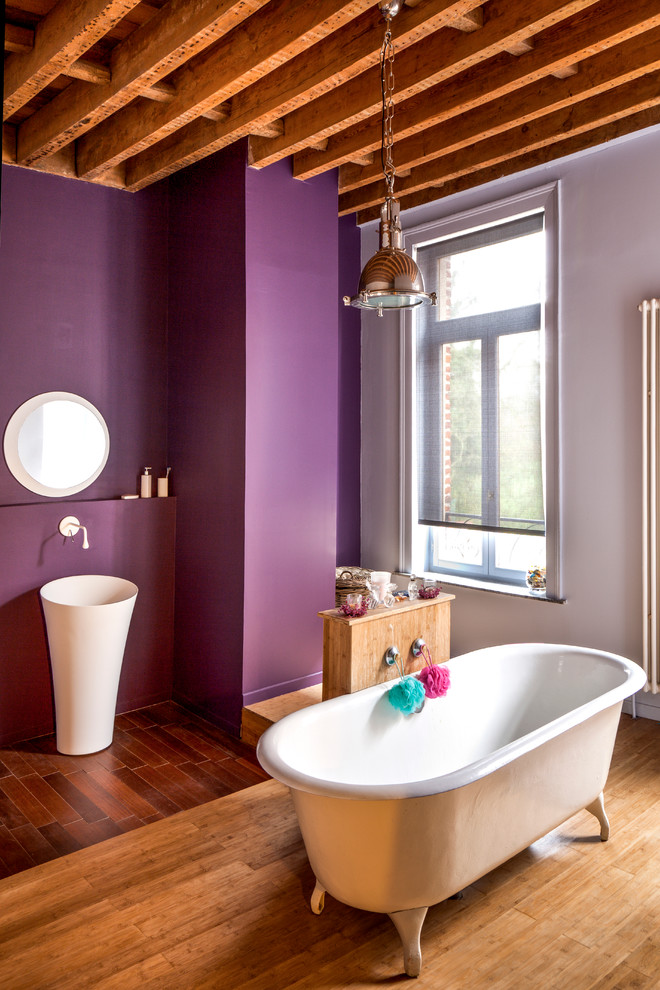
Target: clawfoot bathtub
399,812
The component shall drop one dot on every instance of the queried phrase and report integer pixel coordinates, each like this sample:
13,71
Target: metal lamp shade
391,278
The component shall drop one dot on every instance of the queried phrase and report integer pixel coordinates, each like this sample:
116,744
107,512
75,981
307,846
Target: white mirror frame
11,444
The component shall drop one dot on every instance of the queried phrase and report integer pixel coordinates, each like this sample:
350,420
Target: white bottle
145,483
413,590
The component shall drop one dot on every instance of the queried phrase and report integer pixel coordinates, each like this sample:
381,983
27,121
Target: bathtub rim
272,762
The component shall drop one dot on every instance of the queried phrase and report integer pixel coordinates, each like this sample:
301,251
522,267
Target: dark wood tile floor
162,760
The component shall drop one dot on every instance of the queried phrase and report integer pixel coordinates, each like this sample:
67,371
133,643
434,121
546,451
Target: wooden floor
218,897
162,760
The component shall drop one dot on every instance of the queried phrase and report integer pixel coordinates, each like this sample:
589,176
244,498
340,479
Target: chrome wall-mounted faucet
69,526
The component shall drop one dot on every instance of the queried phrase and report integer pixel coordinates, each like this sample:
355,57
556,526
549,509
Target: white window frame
411,535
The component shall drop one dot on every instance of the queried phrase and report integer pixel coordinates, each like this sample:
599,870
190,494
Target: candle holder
353,607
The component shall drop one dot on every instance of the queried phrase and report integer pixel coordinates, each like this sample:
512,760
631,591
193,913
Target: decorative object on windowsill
407,695
390,279
535,580
430,589
354,606
434,677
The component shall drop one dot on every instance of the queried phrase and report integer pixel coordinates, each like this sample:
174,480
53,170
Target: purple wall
207,430
134,540
83,308
253,427
200,317
291,437
349,384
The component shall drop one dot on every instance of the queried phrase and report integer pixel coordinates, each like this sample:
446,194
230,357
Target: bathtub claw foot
409,926
318,898
597,808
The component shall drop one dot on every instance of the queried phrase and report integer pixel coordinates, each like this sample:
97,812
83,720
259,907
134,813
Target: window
480,463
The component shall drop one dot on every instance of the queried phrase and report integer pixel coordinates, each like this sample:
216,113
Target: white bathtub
399,812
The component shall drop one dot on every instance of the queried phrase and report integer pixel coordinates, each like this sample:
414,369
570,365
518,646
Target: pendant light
390,279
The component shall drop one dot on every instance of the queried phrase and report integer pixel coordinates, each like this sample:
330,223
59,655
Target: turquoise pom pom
407,695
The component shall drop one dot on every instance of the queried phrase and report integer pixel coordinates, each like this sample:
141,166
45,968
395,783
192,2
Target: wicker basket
350,581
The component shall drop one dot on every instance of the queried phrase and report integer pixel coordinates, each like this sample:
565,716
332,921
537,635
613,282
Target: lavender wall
291,431
83,307
608,251
207,430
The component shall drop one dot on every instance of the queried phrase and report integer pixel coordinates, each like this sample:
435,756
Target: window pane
456,546
480,281
519,434
462,430
518,553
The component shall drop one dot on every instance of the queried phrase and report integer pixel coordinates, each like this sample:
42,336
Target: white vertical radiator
650,310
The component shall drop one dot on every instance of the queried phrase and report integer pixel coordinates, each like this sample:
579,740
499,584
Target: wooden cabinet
354,649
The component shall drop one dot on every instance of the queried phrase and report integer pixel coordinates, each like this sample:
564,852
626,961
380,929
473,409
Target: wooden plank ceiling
123,92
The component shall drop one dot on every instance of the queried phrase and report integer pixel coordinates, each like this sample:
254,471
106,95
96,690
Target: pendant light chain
390,280
387,91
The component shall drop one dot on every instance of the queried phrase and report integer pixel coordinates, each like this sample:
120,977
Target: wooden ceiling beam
88,71
565,71
558,46
94,72
563,147
19,39
432,60
481,86
151,51
469,21
263,41
274,129
521,47
587,115
606,70
62,163
331,61
367,160
8,144
60,38
343,56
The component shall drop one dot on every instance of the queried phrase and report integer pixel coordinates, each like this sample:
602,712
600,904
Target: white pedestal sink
87,620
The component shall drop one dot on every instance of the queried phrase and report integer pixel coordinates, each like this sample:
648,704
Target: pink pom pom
436,680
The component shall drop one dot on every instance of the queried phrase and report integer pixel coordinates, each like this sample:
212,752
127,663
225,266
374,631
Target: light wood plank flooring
218,897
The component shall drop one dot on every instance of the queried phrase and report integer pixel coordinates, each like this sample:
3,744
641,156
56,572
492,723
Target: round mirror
56,444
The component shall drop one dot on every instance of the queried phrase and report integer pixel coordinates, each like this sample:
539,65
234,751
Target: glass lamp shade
391,278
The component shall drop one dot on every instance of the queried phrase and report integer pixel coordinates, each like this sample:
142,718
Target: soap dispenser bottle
145,483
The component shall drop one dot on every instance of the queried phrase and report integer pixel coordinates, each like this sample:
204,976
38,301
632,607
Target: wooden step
256,718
